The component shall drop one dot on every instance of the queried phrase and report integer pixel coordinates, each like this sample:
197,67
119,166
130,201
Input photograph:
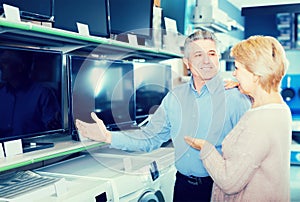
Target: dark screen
105,87
132,16
152,82
90,12
31,93
32,9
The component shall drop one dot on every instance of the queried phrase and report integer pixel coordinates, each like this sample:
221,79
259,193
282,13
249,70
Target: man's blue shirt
210,114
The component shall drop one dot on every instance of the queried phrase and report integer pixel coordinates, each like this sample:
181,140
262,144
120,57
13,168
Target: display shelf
60,149
26,33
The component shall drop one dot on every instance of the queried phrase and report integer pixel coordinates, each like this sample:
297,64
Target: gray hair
199,34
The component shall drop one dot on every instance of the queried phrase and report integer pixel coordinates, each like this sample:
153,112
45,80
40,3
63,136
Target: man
202,108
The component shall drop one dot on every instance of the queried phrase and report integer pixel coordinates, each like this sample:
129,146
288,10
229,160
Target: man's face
203,59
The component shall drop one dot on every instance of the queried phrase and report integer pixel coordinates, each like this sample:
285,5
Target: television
105,87
41,10
32,95
152,82
131,17
91,12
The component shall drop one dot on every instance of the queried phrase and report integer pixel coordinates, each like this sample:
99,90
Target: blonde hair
265,57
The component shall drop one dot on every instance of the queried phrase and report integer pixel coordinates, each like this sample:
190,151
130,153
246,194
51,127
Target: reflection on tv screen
105,87
30,93
152,82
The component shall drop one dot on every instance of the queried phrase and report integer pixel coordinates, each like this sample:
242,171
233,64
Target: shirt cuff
116,141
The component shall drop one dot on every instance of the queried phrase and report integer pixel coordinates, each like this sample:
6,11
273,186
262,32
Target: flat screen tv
152,82
41,10
32,94
131,16
91,12
105,87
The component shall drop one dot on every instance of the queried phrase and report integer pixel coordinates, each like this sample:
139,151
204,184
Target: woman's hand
231,84
94,131
194,142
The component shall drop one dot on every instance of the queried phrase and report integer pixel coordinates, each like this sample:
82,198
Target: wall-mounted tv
32,93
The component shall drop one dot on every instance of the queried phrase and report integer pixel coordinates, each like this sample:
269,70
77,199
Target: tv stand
33,146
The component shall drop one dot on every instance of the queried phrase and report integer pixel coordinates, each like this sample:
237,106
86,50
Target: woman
254,165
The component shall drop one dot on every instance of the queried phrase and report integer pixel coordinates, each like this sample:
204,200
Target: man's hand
94,131
194,142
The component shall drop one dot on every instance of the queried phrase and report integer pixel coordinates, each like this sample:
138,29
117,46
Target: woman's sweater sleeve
232,172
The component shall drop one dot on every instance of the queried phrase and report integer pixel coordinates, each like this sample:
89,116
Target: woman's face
245,78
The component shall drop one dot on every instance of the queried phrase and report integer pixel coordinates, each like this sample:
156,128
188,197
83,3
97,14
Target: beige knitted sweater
255,165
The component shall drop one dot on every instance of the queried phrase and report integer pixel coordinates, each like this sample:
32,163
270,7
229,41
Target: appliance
66,188
36,106
127,172
152,82
207,15
103,86
131,17
289,88
41,10
93,13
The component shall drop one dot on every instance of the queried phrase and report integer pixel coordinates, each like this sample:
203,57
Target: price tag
1,151
171,26
13,147
132,39
83,29
12,13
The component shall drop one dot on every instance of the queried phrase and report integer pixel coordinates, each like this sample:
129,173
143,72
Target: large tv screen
91,12
32,93
131,16
105,87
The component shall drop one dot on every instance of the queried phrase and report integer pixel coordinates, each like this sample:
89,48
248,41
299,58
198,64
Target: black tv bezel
91,31
117,126
35,16
63,104
123,32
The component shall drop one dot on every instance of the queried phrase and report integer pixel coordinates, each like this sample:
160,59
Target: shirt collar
211,85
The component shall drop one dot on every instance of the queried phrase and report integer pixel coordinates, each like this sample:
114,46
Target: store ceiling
250,3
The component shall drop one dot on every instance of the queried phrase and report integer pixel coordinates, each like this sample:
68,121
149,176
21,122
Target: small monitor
105,87
32,94
90,12
131,16
41,10
152,82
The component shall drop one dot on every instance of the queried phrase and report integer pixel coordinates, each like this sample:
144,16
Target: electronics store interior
118,61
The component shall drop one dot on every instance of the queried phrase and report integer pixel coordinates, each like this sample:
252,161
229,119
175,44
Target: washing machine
132,176
158,186
159,190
